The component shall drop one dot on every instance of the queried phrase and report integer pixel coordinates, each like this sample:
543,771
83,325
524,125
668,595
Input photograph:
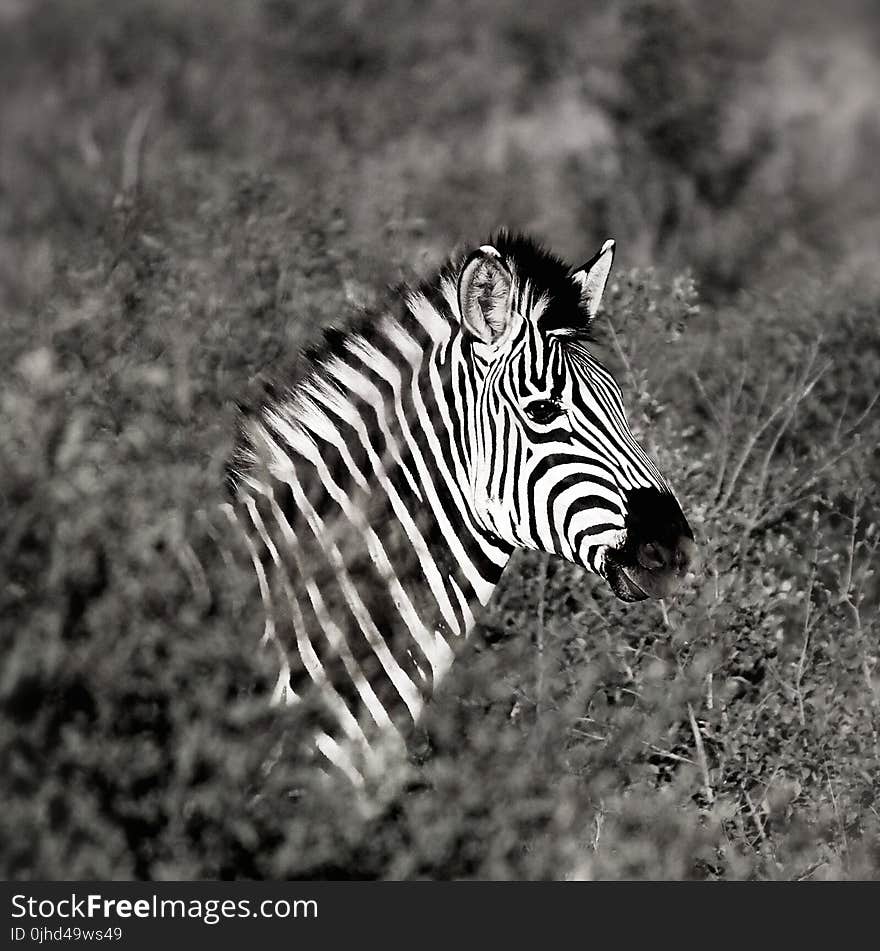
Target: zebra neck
416,565
374,563
413,509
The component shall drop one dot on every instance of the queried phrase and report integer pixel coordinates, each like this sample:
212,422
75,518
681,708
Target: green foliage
201,188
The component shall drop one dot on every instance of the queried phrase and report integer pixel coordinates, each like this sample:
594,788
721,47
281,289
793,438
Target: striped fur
382,494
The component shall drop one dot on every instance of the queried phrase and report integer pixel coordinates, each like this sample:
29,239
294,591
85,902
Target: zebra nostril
680,558
662,536
652,556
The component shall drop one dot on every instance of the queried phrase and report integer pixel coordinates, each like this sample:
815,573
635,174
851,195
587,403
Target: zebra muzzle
659,551
656,574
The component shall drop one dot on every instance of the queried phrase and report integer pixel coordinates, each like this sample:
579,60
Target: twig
711,406
598,820
192,566
667,755
802,661
89,149
770,782
133,148
771,449
803,388
863,416
837,812
633,382
590,736
846,596
762,835
846,588
701,755
808,871
776,512
664,613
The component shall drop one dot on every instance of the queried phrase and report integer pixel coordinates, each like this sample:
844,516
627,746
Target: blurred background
189,190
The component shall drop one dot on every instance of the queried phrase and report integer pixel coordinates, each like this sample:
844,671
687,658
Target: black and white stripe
382,494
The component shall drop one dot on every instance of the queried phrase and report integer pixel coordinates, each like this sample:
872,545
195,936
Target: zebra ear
484,289
592,278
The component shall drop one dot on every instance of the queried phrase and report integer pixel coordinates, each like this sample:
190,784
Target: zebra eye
543,411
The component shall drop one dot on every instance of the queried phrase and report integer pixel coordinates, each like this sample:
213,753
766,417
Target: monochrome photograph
439,441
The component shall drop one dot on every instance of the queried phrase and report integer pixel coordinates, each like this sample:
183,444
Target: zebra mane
548,276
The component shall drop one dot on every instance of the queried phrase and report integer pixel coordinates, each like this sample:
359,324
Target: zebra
382,492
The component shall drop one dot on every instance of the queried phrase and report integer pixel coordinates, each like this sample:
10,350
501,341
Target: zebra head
553,465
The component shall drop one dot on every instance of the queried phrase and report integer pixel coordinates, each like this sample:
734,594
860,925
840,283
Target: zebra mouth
624,586
631,581
636,583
